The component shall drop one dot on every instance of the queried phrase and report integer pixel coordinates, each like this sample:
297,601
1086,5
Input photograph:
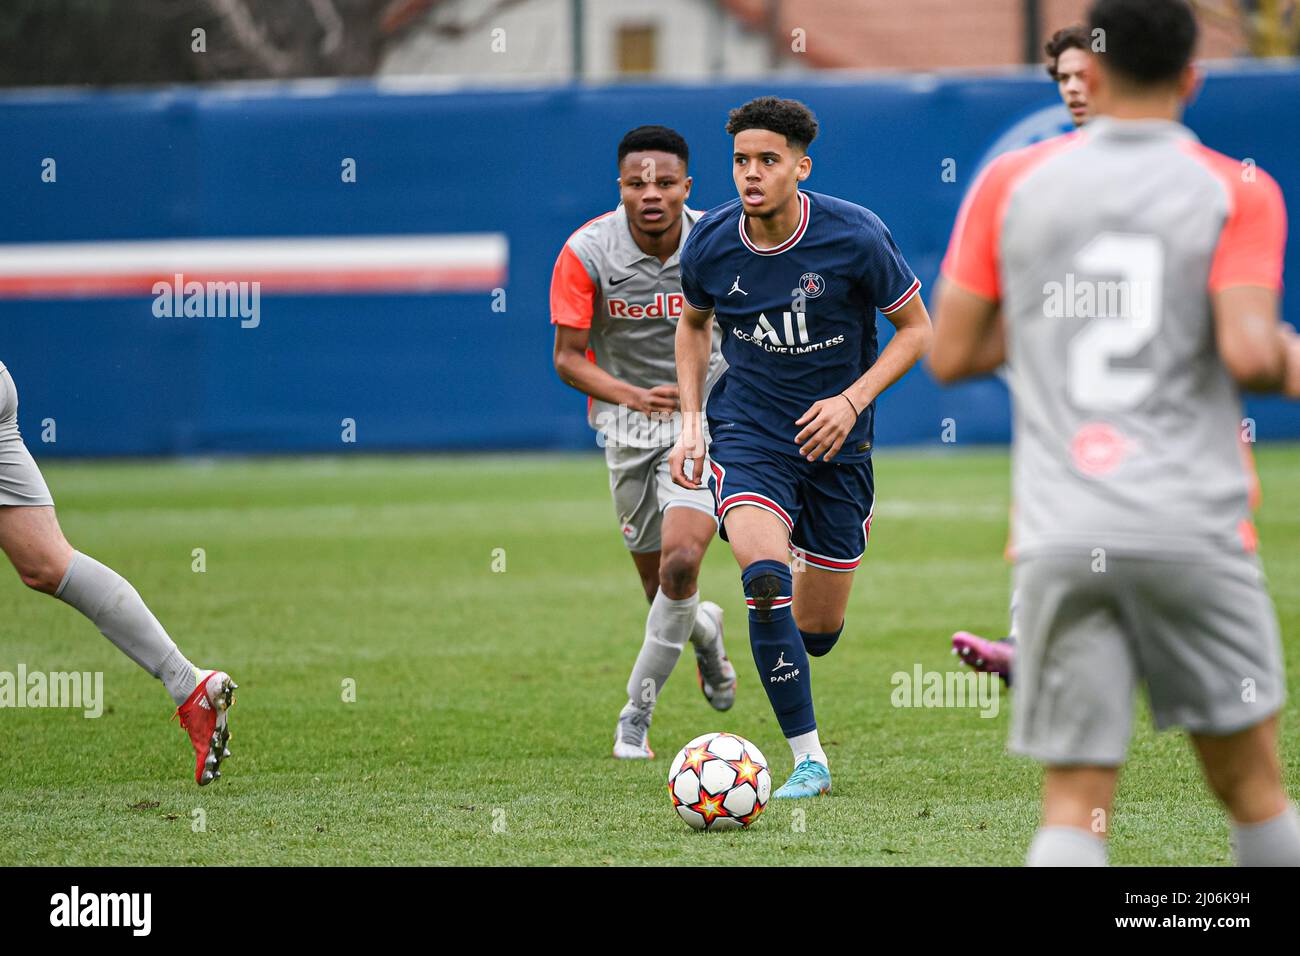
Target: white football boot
632,738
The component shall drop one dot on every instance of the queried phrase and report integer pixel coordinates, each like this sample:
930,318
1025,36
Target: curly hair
1074,37
789,118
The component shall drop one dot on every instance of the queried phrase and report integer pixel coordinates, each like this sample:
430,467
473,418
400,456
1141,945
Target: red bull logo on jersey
663,305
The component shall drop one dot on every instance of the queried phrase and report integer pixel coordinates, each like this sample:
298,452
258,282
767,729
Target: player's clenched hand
826,424
660,400
689,447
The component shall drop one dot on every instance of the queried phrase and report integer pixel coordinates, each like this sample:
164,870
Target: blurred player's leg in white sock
1066,846
1274,842
1076,816
1245,773
32,539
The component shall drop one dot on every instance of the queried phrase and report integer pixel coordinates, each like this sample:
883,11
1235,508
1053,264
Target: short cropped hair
1147,42
659,139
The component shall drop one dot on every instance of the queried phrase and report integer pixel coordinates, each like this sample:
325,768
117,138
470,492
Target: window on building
636,49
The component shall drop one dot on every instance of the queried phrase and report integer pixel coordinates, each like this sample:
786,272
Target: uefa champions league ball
719,782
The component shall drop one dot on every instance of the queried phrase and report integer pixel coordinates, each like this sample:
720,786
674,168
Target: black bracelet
851,405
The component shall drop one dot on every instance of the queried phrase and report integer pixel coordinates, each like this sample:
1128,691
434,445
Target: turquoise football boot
809,779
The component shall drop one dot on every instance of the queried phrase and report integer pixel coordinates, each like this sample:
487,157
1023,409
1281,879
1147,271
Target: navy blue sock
819,644
778,649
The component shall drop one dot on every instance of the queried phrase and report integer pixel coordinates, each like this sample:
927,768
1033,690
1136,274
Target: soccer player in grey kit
616,296
1067,64
1131,319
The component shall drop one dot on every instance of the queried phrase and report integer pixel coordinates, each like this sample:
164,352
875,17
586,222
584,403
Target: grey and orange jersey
1104,248
631,303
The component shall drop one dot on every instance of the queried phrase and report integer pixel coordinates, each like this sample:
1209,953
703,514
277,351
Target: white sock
1274,842
703,631
667,628
807,745
179,676
116,608
1066,846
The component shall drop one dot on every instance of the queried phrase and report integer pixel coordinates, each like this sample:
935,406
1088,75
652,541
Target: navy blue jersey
799,319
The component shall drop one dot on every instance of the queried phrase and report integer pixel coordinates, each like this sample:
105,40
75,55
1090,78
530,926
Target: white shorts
641,482
1200,636
21,483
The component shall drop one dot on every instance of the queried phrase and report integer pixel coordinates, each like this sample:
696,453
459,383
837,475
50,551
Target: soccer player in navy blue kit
794,278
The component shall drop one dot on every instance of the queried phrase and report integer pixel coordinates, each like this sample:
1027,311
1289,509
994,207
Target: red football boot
203,716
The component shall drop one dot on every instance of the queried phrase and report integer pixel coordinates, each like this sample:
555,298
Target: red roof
929,34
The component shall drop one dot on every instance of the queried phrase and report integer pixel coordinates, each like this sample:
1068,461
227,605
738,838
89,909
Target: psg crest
812,285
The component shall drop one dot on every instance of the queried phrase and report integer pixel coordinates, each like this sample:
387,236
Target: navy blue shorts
826,505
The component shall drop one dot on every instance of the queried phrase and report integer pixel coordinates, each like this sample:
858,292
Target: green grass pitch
486,700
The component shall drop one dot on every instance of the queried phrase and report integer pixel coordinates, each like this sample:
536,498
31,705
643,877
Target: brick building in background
698,39
934,34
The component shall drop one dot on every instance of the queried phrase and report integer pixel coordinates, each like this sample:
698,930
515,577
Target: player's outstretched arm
576,370
969,337
694,344
827,422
